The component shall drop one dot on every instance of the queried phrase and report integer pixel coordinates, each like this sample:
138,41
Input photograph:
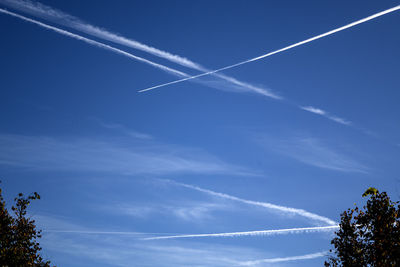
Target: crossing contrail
95,43
254,233
387,11
300,212
59,17
39,10
137,58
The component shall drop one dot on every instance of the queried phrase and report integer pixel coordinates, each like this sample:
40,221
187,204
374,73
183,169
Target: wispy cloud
188,211
125,130
314,152
285,210
109,156
314,110
325,114
285,259
254,233
197,212
60,17
347,26
121,128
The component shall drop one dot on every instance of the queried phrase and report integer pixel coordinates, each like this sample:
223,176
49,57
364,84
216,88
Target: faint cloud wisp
109,156
314,152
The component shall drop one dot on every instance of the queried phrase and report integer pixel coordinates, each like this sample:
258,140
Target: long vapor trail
387,11
59,17
97,232
300,212
96,43
56,16
254,233
284,259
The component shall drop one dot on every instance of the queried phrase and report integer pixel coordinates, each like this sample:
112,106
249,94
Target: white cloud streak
314,110
285,259
283,209
325,114
387,11
96,43
316,229
57,16
195,212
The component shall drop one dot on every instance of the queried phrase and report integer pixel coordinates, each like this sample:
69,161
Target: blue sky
288,141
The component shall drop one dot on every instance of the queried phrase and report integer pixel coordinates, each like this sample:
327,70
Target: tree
368,236
18,234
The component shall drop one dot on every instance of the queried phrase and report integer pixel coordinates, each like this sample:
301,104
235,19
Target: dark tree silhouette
368,236
18,234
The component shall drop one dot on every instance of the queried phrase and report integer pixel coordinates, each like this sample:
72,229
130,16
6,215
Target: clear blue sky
107,159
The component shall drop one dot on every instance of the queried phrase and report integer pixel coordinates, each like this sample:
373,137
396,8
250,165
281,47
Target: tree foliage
368,236
18,234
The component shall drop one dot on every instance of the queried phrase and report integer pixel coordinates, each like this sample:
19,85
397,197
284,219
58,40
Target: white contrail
282,49
254,233
54,15
57,16
95,43
267,205
124,53
325,114
284,259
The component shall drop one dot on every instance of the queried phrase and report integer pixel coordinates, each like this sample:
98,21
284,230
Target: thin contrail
301,212
98,232
284,259
43,11
57,16
282,49
253,233
96,43
325,114
124,53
